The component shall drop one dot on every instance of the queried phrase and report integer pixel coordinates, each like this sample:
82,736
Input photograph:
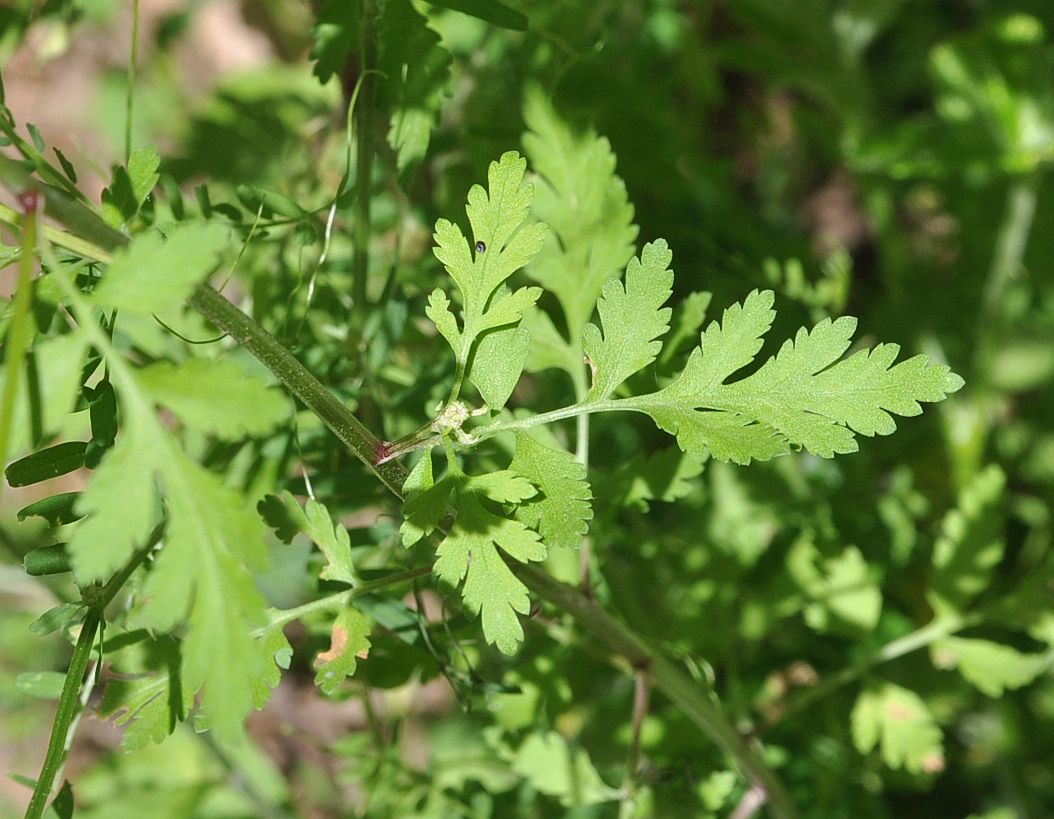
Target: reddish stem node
29,200
381,451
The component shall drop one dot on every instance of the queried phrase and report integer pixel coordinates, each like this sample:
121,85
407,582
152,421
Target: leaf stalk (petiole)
341,599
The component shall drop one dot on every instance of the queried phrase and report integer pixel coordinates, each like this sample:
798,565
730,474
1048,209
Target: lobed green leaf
990,667
439,311
497,364
203,575
633,319
971,542
416,76
898,721
503,241
349,642
470,553
425,503
288,519
801,397
334,35
562,512
156,272
148,696
276,654
505,486
199,391
842,595
586,205
556,769
119,505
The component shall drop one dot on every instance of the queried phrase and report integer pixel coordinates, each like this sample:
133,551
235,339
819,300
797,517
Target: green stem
114,585
641,702
582,427
459,375
1012,240
67,241
694,701
585,552
607,405
296,377
20,330
129,101
60,205
969,423
60,238
69,703
341,599
365,115
69,700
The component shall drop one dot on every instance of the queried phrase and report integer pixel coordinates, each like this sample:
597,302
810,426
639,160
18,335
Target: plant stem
60,238
585,551
641,700
69,703
751,803
20,330
459,374
341,599
365,116
969,423
129,102
1011,241
582,429
70,700
74,214
497,427
296,377
693,701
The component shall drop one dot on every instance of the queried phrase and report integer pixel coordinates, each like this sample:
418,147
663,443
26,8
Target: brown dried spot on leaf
338,641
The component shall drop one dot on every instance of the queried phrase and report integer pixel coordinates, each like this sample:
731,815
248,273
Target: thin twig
366,120
641,700
751,803
129,101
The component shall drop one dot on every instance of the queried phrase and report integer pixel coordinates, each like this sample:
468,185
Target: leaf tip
845,325
953,382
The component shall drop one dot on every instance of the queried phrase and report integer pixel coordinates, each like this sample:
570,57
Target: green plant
199,578
664,564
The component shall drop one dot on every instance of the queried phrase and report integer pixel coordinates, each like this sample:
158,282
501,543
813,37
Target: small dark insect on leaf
481,247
